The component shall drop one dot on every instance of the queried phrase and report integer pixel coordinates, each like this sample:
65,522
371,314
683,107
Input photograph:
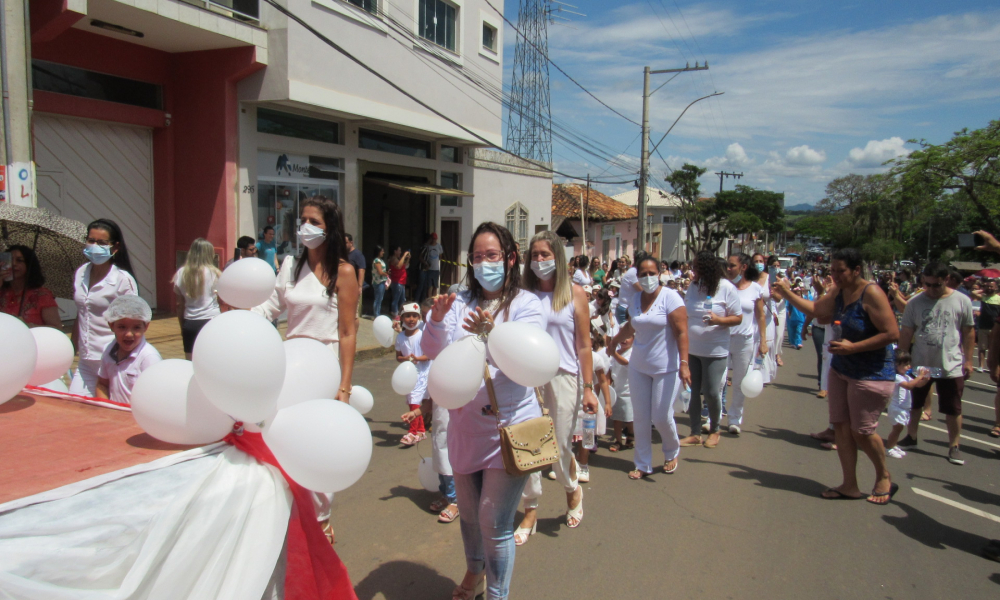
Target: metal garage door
93,169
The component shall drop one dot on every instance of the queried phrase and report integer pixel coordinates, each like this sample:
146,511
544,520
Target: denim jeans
487,502
621,314
819,337
398,297
706,373
446,485
428,282
379,290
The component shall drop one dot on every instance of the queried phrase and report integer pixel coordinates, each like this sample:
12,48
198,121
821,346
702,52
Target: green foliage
882,251
733,207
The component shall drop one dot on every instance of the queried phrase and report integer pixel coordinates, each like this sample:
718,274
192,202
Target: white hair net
128,307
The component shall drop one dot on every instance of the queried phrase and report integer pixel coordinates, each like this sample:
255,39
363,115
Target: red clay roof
566,204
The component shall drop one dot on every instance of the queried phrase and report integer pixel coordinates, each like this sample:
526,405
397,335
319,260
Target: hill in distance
800,208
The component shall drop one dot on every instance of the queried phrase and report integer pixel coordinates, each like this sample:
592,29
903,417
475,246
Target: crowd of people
639,341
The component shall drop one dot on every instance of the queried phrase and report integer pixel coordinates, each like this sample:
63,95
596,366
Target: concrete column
15,127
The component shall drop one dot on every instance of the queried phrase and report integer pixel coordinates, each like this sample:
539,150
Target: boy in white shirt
408,349
902,402
130,354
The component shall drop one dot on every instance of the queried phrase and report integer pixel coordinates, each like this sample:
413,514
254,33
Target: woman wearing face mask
657,366
770,369
319,290
567,318
487,495
106,275
744,338
780,310
713,306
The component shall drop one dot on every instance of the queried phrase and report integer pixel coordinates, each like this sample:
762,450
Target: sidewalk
164,334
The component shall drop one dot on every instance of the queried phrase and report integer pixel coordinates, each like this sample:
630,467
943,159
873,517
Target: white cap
128,307
588,288
412,307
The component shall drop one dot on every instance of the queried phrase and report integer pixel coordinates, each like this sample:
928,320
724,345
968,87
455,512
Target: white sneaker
583,473
895,452
552,475
705,427
734,429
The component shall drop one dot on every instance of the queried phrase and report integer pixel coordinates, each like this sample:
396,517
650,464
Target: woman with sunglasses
106,275
487,495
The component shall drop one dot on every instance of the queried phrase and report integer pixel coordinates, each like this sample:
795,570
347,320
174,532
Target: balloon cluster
36,356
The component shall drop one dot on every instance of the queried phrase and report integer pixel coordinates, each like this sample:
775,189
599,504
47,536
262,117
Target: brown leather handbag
526,447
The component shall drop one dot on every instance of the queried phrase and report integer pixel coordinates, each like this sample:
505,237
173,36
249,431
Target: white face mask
311,236
649,283
543,269
411,327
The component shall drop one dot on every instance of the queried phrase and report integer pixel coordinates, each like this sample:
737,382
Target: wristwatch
588,386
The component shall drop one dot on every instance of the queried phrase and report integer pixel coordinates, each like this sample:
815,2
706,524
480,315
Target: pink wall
595,245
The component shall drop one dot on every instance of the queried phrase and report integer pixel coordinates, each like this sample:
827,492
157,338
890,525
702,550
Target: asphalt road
743,520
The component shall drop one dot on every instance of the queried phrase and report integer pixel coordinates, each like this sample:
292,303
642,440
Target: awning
420,188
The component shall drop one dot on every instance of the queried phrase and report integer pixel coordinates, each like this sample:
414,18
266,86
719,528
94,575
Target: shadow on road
16,403
787,435
404,580
794,388
770,479
389,439
421,498
969,493
933,534
148,442
966,449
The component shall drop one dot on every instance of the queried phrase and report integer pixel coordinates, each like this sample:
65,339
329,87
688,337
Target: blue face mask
760,267
490,275
737,279
97,255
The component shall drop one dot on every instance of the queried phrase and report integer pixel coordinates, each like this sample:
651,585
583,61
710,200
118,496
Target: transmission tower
529,116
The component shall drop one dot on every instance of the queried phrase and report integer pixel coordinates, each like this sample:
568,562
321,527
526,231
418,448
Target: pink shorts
858,402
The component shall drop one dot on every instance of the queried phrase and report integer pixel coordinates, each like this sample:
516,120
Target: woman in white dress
770,369
744,338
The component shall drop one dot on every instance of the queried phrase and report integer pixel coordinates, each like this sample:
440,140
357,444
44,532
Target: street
743,520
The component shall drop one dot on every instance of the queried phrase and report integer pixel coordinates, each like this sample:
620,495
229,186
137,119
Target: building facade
593,223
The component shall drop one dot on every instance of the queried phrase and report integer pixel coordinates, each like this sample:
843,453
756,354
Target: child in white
602,387
902,402
621,410
408,350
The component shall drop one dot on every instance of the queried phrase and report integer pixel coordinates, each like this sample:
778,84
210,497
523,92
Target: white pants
562,397
85,378
439,440
827,358
653,404
780,336
742,351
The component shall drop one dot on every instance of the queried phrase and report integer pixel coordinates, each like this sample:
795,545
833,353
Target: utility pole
722,175
583,217
644,159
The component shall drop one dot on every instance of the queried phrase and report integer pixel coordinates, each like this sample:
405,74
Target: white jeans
562,397
742,351
780,336
827,358
85,378
653,404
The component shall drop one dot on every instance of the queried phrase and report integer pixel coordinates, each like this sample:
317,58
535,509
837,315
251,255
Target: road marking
985,385
964,437
957,505
974,403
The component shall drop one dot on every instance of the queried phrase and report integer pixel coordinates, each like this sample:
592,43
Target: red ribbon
313,571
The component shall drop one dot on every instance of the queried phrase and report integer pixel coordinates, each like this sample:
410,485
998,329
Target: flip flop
840,495
893,488
637,475
676,462
995,432
448,515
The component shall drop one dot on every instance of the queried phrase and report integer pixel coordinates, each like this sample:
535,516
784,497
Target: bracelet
588,386
347,391
685,362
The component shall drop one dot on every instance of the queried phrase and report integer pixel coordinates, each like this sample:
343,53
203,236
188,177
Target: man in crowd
939,325
989,310
430,267
267,249
246,248
357,260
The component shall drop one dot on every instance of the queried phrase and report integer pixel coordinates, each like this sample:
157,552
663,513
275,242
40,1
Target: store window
397,144
517,224
438,22
453,181
62,79
297,126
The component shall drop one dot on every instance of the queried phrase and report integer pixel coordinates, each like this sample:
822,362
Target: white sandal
576,513
521,534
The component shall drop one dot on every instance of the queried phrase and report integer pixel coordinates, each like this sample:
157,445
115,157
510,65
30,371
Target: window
451,154
517,224
437,22
397,144
296,126
489,37
62,79
453,181
368,5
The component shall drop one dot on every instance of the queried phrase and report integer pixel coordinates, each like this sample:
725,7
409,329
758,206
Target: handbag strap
491,392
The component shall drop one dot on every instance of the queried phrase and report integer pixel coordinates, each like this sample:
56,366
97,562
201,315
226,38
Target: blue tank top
873,365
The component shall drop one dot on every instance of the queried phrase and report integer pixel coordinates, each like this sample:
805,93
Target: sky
812,91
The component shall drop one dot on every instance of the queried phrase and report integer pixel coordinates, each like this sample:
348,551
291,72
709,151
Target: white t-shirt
205,306
620,374
312,313
581,277
627,290
601,362
902,399
562,327
654,351
665,277
748,299
710,340
94,332
409,345
122,375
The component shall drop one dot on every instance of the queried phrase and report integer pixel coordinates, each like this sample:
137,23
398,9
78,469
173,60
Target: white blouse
95,334
312,313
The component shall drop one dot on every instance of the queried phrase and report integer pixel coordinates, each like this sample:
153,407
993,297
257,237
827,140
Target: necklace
490,306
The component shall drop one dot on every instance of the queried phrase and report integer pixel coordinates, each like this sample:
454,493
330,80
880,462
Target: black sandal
636,475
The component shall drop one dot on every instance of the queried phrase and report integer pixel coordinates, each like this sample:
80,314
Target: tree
767,209
697,214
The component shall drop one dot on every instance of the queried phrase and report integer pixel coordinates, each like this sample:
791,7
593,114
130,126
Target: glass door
278,205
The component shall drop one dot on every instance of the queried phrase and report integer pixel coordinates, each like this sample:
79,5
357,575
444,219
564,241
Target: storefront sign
20,185
607,232
285,165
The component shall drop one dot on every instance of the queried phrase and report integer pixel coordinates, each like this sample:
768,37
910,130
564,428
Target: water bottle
685,398
589,431
707,304
838,333
758,362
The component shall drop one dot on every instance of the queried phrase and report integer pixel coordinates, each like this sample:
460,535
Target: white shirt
902,398
620,374
434,257
205,306
710,340
312,313
601,363
409,345
654,351
94,332
562,327
627,290
122,375
748,299
581,277
665,277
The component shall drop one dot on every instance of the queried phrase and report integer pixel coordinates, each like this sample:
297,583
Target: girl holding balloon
744,338
567,320
487,495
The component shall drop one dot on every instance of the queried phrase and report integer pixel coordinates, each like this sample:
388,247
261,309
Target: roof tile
566,204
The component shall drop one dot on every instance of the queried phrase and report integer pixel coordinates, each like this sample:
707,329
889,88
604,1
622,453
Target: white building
665,231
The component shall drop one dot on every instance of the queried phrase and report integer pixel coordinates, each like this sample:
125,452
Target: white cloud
877,152
804,155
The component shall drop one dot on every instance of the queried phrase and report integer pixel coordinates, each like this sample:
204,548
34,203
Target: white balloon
55,354
456,374
170,406
752,384
239,362
427,475
18,355
324,445
246,283
312,371
384,334
56,385
404,378
361,399
526,354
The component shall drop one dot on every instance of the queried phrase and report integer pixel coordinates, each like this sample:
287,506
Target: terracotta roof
566,204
